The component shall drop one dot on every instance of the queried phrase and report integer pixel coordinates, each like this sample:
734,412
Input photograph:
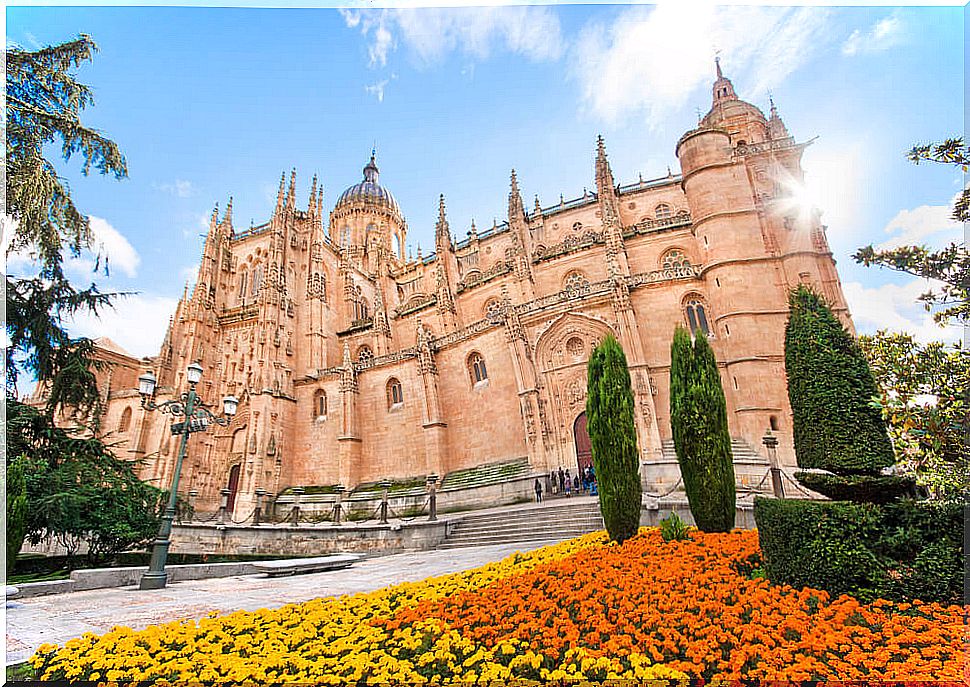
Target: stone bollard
385,485
338,504
777,484
224,505
193,495
295,513
432,497
258,513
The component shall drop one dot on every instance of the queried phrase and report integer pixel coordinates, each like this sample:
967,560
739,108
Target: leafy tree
16,510
43,106
613,436
698,418
923,394
78,490
949,265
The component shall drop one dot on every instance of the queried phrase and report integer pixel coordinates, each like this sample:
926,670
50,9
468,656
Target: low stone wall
308,540
654,510
103,578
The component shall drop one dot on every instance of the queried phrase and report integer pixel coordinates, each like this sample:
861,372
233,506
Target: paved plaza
58,618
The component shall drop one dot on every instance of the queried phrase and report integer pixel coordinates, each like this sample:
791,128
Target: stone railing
239,313
496,270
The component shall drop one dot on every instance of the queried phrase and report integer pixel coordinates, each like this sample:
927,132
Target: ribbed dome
369,192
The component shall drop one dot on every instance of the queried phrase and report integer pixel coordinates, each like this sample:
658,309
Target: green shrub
698,418
858,488
16,510
830,387
904,550
672,528
613,436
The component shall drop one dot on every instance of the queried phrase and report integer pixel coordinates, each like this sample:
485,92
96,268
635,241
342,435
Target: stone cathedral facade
354,363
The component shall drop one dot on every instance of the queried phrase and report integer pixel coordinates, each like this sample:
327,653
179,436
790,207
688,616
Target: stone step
516,528
524,538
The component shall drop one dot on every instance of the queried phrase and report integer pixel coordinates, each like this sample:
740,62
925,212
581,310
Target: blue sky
212,102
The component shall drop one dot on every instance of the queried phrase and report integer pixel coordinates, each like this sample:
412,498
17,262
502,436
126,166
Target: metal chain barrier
755,490
668,492
798,486
414,517
249,517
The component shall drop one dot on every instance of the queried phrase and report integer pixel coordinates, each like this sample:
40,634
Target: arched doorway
584,449
233,487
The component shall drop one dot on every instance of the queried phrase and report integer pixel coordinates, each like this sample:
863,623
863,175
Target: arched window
397,246
476,368
773,423
674,259
364,354
243,278
345,237
257,279
575,281
662,211
125,421
361,311
320,404
696,315
395,395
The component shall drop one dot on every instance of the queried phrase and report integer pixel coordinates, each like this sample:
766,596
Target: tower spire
291,192
516,209
228,218
442,233
723,89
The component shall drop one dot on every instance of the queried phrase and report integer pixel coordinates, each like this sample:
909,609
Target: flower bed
583,609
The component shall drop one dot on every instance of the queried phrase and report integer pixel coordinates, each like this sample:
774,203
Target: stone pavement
56,619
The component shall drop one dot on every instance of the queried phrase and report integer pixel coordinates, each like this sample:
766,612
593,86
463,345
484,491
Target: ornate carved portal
584,449
561,353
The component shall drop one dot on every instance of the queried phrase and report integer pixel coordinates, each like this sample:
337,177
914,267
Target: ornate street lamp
195,417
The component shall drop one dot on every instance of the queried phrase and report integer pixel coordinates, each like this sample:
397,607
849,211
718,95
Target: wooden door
233,487
584,450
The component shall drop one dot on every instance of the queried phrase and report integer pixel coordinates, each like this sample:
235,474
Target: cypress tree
612,434
698,418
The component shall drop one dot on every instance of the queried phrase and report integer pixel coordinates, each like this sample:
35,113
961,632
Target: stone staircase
535,524
749,465
491,473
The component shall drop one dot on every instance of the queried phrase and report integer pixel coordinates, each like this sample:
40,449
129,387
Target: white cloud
924,225
884,34
649,60
179,188
189,273
377,89
431,34
109,250
137,323
894,307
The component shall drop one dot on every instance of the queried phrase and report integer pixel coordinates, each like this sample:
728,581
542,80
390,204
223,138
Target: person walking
568,483
553,481
576,484
562,481
538,491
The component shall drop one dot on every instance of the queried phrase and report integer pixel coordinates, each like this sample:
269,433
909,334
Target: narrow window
696,316
320,404
476,366
243,278
125,421
257,279
395,395
735,382
773,423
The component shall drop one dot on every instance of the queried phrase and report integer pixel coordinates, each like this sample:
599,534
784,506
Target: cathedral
355,363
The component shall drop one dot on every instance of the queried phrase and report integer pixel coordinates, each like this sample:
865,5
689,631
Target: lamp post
195,417
771,443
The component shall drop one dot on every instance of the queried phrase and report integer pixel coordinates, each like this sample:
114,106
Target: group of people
561,482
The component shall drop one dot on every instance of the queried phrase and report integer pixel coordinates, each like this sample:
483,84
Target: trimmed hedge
901,551
858,488
830,387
